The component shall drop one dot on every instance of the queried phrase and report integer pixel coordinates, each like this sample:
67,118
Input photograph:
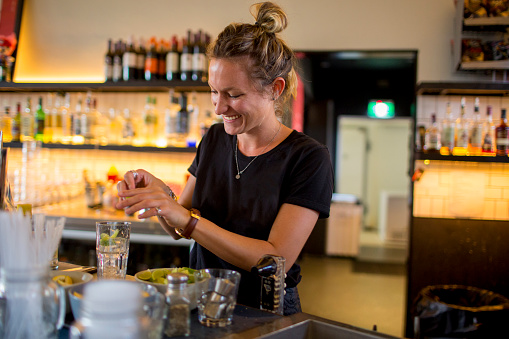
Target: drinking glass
152,316
217,295
112,248
31,304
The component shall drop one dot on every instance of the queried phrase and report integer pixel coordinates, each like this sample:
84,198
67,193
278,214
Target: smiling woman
259,185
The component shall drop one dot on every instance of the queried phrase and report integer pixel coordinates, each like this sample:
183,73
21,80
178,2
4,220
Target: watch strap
189,228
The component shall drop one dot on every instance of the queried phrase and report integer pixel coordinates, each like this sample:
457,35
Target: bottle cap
177,278
265,267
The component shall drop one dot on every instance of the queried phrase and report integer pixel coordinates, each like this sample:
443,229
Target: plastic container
109,310
456,311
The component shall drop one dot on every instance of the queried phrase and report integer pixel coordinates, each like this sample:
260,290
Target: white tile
489,210
499,180
494,193
437,207
501,210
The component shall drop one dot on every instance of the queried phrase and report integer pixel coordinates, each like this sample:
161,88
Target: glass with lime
112,248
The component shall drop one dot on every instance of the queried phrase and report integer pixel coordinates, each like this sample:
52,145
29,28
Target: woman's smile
230,118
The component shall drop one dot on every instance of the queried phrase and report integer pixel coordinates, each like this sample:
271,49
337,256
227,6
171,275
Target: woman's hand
140,190
138,178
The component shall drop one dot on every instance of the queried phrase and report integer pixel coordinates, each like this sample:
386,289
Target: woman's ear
278,85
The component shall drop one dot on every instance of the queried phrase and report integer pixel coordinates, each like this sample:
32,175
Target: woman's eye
234,96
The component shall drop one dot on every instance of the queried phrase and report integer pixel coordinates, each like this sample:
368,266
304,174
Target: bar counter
247,322
253,323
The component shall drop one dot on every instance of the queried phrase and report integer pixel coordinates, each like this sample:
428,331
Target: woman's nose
220,105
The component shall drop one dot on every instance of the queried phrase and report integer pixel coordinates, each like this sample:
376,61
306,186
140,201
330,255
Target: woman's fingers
135,205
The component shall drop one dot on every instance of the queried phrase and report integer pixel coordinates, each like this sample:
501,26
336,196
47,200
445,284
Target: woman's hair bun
269,16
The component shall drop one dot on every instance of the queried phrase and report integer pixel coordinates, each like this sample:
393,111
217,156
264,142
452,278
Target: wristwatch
188,230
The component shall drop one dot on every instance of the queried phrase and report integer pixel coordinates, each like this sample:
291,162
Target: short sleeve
311,182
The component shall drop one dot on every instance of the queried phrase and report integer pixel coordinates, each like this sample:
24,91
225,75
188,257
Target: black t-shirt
298,171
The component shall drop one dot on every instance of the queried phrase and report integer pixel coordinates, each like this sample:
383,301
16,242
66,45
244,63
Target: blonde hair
269,56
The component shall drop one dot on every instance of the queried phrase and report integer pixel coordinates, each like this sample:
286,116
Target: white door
351,166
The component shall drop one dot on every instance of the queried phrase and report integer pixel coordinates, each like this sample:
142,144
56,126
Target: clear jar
31,304
109,310
178,320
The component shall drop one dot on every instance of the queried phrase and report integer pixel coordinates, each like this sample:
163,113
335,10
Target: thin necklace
239,172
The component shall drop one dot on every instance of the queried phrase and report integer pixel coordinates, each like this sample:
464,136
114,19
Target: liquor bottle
40,119
161,57
56,119
129,62
488,139
127,128
476,127
16,122
149,122
7,125
198,62
118,61
186,58
27,123
205,124
173,61
193,137
432,137
447,136
99,125
86,120
66,118
502,135
461,132
115,126
151,61
182,118
108,62
205,76
140,59
170,119
48,127
77,132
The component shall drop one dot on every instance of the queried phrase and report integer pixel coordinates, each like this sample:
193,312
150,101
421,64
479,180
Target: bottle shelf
127,148
493,23
121,86
463,88
438,156
485,65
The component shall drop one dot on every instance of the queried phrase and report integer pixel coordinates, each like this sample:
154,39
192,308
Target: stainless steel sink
310,329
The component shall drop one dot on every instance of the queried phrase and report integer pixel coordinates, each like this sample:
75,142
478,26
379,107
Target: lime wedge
114,234
145,275
63,280
105,239
161,281
158,273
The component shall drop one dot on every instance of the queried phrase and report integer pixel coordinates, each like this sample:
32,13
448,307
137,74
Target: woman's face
235,98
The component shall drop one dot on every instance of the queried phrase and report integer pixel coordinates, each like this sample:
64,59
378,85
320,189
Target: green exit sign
381,109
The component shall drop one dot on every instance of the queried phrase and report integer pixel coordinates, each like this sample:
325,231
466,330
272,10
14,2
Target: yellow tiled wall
454,189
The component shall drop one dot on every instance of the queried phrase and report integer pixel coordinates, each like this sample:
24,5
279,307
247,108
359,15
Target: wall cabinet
487,29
